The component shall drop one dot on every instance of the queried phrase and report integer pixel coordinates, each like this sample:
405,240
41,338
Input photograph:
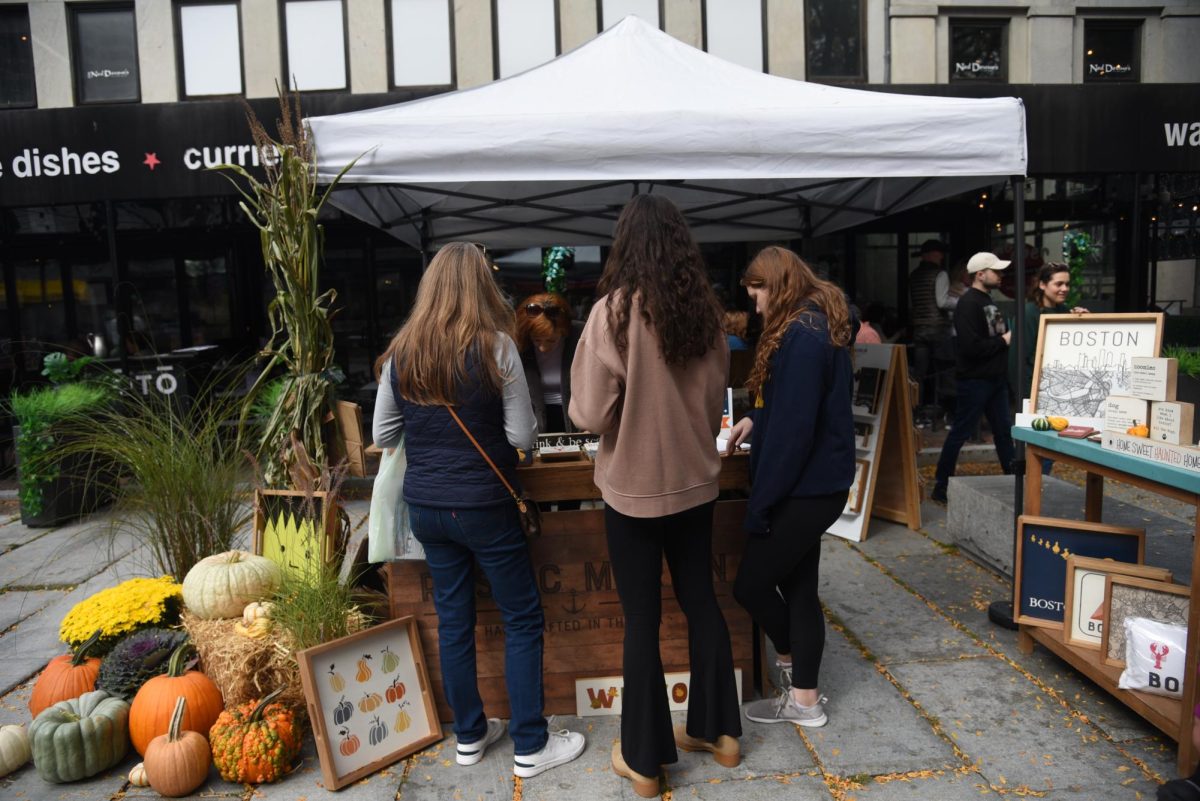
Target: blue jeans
455,541
977,397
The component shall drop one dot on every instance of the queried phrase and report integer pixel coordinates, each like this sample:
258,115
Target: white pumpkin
257,611
14,748
137,775
221,585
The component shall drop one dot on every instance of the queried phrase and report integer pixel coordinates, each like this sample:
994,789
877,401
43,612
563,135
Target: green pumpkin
1041,424
80,738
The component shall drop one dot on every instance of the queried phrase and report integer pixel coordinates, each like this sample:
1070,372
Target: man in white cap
981,372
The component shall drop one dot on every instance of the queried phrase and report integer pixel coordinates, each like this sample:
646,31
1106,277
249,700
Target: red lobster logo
1160,652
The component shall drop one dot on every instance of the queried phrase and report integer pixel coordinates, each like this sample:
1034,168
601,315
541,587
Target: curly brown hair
540,325
654,257
793,290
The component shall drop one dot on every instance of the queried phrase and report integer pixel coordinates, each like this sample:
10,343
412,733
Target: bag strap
488,459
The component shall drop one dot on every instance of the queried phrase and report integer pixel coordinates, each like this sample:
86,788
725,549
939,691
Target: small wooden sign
1171,422
1123,411
1182,456
1153,379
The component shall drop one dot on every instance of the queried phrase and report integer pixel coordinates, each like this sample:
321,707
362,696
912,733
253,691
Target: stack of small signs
1149,423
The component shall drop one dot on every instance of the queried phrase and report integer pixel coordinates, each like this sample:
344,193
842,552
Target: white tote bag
388,533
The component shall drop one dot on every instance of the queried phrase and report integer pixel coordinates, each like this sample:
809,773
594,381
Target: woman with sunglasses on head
547,338
456,350
649,378
801,465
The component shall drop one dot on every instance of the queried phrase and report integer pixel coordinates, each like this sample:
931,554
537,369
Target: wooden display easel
893,493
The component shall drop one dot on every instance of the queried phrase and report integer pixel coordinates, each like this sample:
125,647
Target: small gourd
80,738
1058,423
154,705
257,611
221,585
1138,430
177,762
1041,424
137,775
66,676
255,631
14,748
255,743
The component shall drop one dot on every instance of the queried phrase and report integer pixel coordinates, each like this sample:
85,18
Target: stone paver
17,605
64,557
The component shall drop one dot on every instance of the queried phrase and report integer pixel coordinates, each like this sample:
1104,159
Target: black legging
636,546
778,577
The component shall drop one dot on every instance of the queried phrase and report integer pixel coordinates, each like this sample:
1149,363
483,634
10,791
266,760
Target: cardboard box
1171,422
1121,412
1153,379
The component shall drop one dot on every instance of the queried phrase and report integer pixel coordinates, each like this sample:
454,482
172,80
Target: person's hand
1079,310
1007,337
738,434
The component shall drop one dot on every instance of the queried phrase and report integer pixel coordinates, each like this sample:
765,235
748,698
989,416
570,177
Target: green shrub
1188,358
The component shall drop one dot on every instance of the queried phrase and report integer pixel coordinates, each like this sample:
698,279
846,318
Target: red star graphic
152,161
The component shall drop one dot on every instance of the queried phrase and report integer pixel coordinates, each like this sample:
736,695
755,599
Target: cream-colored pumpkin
221,585
257,611
14,748
137,776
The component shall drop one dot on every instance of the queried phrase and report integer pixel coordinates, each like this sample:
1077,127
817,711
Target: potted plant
1187,384
55,486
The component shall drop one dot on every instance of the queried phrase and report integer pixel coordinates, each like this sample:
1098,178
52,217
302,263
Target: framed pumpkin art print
368,699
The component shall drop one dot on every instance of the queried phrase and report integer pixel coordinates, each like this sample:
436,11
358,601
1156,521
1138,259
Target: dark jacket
533,377
979,326
1033,323
803,437
444,469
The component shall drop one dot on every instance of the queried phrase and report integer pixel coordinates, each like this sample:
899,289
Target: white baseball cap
985,261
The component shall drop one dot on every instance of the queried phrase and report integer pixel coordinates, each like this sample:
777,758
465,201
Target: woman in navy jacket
801,465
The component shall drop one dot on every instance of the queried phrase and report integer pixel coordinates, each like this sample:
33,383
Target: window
1111,52
315,55
613,11
210,47
104,54
978,50
526,34
16,58
733,30
422,50
833,33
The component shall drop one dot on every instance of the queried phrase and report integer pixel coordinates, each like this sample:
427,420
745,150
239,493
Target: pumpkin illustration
343,712
177,762
335,680
364,670
377,732
66,676
394,692
370,702
390,660
349,744
403,721
154,705
255,743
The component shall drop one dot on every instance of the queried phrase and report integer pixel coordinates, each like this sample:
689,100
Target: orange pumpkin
154,703
255,743
66,677
177,762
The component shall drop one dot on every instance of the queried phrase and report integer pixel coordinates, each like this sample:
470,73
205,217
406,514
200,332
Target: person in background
456,350
649,378
930,306
868,330
981,372
547,338
1047,295
736,324
801,466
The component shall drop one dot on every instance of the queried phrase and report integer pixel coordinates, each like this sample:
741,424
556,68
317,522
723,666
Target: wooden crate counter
1172,717
584,625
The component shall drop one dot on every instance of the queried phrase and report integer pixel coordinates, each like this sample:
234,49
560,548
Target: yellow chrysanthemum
121,610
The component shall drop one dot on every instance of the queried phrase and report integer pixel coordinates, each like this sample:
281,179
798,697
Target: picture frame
1043,546
1083,610
868,386
858,489
297,530
1081,359
354,739
1131,596
862,435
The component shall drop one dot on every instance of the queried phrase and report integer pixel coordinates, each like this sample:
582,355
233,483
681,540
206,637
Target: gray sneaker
785,710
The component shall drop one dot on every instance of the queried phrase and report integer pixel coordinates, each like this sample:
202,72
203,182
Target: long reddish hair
539,325
793,289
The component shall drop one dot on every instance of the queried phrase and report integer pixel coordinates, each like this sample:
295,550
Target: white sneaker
471,753
560,748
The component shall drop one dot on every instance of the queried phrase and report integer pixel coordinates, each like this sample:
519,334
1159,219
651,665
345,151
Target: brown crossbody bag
527,509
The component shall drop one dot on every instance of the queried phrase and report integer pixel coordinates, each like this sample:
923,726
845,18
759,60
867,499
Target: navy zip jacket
803,436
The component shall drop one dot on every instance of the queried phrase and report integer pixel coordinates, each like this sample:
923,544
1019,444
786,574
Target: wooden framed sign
1081,359
296,530
1043,546
1130,596
1083,612
368,699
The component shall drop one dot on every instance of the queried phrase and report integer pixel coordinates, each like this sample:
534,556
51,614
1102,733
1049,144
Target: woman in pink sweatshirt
649,377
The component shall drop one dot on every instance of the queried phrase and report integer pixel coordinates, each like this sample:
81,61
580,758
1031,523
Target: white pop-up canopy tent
551,155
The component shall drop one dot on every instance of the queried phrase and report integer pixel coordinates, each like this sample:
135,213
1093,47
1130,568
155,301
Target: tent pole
1001,612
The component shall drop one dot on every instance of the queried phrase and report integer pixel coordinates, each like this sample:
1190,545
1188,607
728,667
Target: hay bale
243,668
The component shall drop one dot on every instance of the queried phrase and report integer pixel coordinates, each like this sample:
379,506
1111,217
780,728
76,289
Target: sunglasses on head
550,310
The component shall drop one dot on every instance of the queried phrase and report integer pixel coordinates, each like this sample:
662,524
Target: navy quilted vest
444,469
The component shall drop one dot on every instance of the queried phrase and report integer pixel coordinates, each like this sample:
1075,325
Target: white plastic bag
1155,654
388,533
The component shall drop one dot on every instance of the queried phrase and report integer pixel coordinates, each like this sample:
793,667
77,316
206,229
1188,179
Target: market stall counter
584,624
